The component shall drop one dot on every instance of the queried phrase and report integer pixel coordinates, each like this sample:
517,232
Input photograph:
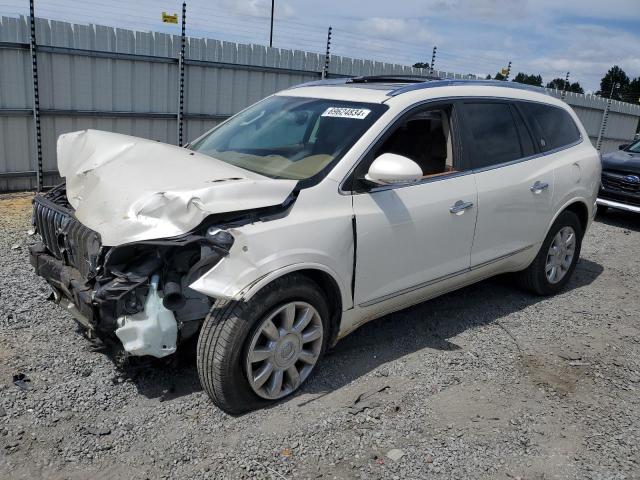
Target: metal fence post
605,116
565,87
603,124
183,41
36,96
271,29
433,60
327,58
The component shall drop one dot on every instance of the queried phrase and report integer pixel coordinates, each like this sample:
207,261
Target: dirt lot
487,382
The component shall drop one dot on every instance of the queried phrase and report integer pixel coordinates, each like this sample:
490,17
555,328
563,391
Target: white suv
308,214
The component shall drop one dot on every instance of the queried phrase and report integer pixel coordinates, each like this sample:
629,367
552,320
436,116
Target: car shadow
164,379
430,324
620,219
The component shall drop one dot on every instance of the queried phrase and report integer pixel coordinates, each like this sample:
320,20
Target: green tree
631,94
535,80
614,83
561,84
576,87
499,76
421,65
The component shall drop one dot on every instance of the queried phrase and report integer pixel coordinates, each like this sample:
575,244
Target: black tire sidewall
280,292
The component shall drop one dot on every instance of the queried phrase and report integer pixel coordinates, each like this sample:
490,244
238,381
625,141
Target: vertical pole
271,30
36,95
325,70
433,60
605,116
506,79
183,41
566,87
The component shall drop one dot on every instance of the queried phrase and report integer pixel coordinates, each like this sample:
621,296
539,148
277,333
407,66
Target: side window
557,128
425,137
526,142
492,133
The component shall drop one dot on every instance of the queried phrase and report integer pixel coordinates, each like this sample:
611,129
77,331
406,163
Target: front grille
65,237
620,197
620,181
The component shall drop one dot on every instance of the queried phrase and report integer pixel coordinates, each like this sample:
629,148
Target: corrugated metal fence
125,81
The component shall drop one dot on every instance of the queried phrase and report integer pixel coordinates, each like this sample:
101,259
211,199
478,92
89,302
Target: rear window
555,126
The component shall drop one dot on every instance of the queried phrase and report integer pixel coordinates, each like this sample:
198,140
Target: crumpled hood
627,161
131,189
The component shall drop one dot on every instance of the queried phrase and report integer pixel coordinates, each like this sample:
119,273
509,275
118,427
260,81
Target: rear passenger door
515,184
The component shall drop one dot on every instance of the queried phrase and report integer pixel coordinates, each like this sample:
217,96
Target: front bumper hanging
70,288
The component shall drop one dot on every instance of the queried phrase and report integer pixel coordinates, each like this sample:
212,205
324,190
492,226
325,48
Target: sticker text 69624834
342,112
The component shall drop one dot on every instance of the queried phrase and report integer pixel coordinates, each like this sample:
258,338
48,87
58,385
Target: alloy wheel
560,254
284,350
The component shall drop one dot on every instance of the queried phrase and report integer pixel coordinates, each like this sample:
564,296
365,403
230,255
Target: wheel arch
580,208
319,274
332,292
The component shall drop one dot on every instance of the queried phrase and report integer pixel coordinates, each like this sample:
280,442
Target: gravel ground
487,382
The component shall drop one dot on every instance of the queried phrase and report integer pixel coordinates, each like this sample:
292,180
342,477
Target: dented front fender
313,236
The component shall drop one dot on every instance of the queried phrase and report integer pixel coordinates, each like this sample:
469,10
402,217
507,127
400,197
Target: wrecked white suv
308,214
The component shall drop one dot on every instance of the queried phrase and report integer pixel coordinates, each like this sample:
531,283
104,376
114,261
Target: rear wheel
253,353
552,268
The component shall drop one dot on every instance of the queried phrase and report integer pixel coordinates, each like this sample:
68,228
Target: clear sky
545,37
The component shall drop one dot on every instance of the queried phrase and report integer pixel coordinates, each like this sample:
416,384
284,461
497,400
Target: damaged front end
137,292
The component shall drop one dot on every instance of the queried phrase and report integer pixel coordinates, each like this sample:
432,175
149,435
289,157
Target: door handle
538,187
459,207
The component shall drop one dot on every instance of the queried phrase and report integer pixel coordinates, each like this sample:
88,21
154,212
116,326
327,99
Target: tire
534,277
228,335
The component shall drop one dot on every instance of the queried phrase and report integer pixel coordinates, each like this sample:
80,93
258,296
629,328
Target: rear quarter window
555,126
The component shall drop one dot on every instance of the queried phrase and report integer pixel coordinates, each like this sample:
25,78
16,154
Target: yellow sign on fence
167,18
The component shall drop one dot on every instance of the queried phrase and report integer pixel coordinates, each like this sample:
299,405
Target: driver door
412,236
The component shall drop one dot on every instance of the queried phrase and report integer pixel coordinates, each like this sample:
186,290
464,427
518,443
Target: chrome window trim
343,191
449,276
435,178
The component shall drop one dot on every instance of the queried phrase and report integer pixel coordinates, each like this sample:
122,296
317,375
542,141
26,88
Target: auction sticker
341,112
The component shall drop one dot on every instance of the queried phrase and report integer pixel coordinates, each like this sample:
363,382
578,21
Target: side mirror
623,146
390,169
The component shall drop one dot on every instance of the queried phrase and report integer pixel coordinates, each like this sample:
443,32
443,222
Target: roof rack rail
393,79
461,82
342,80
326,81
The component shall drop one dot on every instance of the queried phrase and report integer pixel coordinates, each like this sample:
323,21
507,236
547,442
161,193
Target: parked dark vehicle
620,186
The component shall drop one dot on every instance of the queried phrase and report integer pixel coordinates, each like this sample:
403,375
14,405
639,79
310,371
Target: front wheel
253,353
552,268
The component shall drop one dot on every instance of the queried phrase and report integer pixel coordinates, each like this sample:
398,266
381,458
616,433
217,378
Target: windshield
289,137
635,147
